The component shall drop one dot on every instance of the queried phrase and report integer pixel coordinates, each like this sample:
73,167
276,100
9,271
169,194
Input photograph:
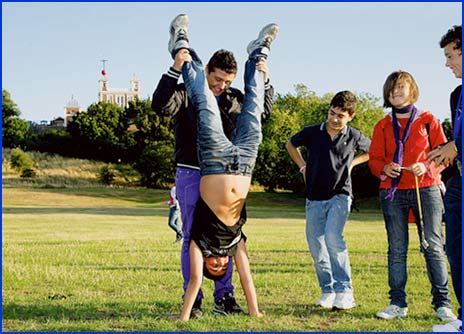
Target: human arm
444,155
168,95
359,159
362,145
196,276
243,268
380,164
268,91
296,156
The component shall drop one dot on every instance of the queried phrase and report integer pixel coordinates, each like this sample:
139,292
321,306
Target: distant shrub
20,160
28,173
106,175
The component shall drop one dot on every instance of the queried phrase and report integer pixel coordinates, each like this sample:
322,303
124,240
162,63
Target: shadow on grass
88,211
67,309
123,211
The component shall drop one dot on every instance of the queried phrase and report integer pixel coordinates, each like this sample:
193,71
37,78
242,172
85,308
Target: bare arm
296,156
196,276
360,159
243,268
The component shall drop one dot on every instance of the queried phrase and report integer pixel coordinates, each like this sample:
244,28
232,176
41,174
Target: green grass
102,259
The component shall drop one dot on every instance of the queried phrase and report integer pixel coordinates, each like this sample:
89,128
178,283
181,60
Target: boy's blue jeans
174,221
217,154
396,214
325,221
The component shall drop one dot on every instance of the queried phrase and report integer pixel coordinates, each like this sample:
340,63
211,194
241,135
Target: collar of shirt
343,131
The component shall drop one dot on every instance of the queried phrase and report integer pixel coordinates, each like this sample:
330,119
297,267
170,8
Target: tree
99,133
154,146
14,129
51,141
448,128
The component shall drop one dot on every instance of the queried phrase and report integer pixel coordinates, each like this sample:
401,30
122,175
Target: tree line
138,136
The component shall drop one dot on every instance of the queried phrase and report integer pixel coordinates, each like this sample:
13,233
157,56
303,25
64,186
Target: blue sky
51,51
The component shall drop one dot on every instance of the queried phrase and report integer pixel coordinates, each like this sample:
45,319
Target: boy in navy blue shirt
332,149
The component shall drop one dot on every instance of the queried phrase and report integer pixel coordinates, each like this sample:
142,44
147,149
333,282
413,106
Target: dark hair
453,35
346,101
392,80
207,274
223,60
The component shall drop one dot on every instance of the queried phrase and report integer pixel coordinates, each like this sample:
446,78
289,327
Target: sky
51,52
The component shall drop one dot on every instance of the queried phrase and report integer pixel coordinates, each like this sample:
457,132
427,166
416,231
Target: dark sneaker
178,34
196,312
264,40
227,306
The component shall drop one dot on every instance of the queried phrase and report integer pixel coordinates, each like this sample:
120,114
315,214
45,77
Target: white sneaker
264,40
178,34
326,300
344,301
445,314
392,312
453,326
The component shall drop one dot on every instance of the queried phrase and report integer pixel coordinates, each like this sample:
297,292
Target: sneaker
326,300
344,301
445,314
196,312
178,34
179,239
453,326
227,306
392,312
264,40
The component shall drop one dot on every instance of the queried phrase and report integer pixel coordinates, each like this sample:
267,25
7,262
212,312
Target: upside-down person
226,167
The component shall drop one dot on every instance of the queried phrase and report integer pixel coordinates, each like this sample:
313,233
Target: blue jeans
396,222
218,154
453,219
325,221
174,221
188,193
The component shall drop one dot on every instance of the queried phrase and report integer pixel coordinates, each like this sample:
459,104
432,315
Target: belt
188,166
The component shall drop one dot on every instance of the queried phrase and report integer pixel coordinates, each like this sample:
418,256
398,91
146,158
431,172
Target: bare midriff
225,195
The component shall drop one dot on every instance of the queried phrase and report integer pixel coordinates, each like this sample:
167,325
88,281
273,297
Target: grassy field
103,259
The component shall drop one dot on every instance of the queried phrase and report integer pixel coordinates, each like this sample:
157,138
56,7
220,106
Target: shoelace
181,34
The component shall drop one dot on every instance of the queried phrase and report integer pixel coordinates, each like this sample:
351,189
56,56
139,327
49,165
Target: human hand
182,56
258,314
444,155
417,168
392,170
261,65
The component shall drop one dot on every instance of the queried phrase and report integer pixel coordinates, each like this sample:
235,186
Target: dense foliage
14,129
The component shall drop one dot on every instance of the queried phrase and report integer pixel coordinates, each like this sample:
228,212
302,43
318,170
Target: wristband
301,168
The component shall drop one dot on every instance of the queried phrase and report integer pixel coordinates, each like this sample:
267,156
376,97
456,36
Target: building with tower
119,96
71,109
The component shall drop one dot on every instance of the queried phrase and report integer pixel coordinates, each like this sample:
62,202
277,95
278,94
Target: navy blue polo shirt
328,162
